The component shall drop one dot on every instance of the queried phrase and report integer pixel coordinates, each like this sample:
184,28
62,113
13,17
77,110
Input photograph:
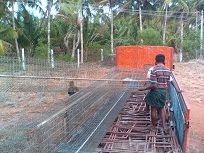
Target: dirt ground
190,77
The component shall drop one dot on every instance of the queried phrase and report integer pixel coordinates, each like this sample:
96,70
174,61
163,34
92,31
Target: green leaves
71,7
125,30
6,35
150,36
32,32
191,43
4,47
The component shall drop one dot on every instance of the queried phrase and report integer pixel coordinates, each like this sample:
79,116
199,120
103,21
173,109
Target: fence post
23,59
101,55
78,58
201,35
52,59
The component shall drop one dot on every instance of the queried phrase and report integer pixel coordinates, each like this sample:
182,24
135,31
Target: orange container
140,56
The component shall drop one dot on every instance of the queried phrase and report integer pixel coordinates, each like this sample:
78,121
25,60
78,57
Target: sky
43,5
36,12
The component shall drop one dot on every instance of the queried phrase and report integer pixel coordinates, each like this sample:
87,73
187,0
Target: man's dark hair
160,58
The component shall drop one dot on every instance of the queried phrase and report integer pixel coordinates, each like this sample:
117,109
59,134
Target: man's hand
179,91
141,89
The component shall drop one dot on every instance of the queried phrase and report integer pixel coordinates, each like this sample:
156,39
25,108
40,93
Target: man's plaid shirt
160,76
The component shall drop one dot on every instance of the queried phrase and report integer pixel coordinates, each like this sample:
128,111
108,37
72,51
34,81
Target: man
156,98
72,88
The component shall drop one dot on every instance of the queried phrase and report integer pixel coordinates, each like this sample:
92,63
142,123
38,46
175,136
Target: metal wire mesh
38,115
89,136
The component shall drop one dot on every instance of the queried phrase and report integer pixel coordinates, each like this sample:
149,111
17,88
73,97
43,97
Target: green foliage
41,50
4,47
191,43
94,50
71,6
150,36
32,32
64,57
2,8
29,29
125,30
6,35
59,27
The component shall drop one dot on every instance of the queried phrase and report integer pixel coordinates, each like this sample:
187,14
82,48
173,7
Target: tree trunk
165,21
73,47
75,43
66,40
14,28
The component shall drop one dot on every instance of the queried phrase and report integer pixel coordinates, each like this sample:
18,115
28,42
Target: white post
23,59
78,58
52,59
140,15
101,55
201,35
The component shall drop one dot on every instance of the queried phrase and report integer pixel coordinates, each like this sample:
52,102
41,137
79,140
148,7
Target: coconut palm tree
6,32
70,11
6,35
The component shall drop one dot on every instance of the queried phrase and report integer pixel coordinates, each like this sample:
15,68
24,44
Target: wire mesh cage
38,114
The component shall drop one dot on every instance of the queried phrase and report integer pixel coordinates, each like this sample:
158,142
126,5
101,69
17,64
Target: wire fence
37,115
30,96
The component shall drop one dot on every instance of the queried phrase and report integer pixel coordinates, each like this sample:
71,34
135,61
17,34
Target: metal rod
63,78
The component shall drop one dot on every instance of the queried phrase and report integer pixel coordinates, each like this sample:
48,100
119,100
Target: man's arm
151,86
153,80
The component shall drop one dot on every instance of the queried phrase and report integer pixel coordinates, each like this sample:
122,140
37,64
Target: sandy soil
190,77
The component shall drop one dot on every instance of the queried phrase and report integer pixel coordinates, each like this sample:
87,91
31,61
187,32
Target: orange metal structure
141,56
